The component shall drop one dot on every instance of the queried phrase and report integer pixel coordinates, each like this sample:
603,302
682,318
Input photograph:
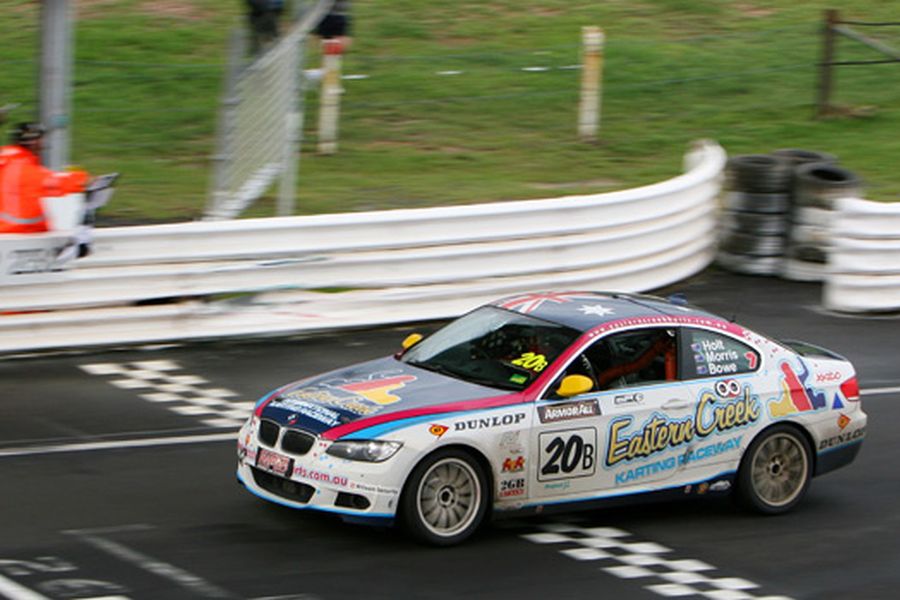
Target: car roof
586,310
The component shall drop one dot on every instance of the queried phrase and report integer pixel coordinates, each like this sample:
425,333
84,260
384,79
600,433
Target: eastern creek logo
660,433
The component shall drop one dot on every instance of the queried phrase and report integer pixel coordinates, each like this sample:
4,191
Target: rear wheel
445,498
775,471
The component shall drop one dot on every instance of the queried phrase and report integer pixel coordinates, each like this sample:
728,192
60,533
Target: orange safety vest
23,182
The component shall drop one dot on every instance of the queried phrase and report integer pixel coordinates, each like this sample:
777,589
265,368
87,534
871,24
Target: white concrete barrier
393,266
864,262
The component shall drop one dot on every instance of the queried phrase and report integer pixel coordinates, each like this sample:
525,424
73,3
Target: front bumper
355,490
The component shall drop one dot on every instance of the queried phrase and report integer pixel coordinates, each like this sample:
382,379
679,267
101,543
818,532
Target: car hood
371,390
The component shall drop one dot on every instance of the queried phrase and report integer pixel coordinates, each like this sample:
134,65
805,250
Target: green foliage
743,72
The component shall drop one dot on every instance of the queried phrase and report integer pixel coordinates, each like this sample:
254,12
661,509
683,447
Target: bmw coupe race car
553,401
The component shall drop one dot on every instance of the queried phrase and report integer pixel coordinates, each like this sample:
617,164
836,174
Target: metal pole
293,130
330,96
825,68
216,204
55,80
591,83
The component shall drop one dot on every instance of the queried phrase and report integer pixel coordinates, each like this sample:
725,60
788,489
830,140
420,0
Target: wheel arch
799,428
476,454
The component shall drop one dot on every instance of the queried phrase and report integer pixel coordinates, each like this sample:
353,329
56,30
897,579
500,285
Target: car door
723,374
626,431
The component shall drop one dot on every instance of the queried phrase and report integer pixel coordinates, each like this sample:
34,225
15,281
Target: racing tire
775,471
445,498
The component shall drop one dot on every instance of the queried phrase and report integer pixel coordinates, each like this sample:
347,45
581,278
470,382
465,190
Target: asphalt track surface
123,512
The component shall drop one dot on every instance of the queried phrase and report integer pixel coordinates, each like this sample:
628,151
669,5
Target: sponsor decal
320,477
844,438
667,464
532,362
360,397
728,388
322,414
518,378
375,489
513,464
795,395
635,398
379,390
509,441
722,485
510,488
660,433
351,404
702,488
489,422
567,454
843,421
551,413
438,430
558,485
274,462
828,377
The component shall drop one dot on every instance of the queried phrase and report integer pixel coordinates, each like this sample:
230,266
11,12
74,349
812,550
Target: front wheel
775,471
445,498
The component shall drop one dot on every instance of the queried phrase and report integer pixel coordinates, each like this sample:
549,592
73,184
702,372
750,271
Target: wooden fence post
591,83
330,96
825,67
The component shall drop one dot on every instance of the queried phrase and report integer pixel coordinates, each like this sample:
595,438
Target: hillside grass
149,74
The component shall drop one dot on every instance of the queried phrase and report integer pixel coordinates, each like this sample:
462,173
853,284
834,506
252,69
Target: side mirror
411,340
573,385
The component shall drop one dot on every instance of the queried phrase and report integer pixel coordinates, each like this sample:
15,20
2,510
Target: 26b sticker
568,454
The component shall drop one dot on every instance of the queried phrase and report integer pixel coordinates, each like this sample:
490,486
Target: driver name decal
659,433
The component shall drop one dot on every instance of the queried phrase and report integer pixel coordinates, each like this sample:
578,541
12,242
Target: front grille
290,490
296,442
268,432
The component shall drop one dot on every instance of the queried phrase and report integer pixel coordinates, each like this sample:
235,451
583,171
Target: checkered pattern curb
648,562
160,381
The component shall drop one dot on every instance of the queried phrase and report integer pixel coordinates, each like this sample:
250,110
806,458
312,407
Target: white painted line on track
13,591
120,444
651,562
158,381
880,391
177,575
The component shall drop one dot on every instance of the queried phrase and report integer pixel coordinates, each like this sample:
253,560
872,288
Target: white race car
555,401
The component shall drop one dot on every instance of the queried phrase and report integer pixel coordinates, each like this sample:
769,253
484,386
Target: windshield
493,347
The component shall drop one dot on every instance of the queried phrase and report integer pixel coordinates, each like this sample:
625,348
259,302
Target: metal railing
281,274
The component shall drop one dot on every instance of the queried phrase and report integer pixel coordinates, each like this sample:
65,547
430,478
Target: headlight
364,450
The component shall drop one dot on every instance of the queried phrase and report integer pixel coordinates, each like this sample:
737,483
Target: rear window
710,354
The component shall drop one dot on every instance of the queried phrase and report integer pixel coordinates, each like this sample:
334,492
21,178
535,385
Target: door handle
675,404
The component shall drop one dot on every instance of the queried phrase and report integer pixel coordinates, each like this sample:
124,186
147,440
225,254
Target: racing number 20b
566,454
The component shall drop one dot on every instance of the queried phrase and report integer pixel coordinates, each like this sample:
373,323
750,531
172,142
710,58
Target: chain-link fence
260,122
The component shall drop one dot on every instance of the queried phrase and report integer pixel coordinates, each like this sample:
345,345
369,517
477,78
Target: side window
710,354
626,359
636,358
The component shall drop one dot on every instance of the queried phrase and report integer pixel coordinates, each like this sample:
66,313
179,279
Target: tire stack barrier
756,217
817,185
